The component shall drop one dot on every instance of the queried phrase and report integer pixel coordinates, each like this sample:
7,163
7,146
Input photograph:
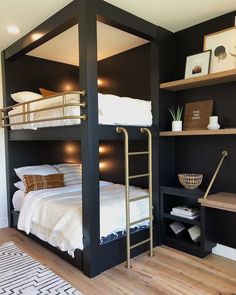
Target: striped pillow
72,173
37,182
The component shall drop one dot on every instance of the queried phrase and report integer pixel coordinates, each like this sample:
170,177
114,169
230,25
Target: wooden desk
218,216
222,201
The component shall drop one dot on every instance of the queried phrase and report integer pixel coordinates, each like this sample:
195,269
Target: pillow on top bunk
46,93
38,182
72,173
24,96
35,170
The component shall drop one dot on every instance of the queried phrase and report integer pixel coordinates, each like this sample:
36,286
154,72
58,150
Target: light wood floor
168,272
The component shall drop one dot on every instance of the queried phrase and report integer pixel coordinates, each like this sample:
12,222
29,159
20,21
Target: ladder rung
138,153
138,198
139,175
139,244
140,220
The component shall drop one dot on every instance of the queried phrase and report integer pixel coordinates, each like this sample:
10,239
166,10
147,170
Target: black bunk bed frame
95,257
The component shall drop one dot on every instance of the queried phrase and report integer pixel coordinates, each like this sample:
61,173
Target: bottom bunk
53,217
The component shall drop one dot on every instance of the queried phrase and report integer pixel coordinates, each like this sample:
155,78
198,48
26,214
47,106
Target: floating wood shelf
228,131
222,201
206,80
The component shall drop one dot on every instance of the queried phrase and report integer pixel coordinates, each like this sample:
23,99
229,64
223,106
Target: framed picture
223,46
196,115
198,64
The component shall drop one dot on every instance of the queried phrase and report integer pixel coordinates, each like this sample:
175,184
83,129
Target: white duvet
55,215
112,110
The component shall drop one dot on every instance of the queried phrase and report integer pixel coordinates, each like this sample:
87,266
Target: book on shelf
186,210
185,216
177,227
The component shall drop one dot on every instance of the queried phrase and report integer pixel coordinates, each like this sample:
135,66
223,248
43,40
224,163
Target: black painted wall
124,74
201,154
127,73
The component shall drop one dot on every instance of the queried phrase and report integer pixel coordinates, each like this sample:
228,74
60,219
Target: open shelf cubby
201,81
181,219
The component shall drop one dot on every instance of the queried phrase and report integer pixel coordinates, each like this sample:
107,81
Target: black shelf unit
175,196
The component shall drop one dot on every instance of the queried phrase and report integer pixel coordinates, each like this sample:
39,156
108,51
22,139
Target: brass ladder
128,200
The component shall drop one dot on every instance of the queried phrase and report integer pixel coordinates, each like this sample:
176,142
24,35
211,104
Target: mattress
55,215
112,110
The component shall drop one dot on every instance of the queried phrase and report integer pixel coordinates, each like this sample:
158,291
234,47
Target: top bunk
63,113
97,76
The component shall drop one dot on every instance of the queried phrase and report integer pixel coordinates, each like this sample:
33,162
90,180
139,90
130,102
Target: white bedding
113,110
55,215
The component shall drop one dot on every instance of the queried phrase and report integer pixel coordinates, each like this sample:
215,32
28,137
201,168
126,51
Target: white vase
176,125
213,123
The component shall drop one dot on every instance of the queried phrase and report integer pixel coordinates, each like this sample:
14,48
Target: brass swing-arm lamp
224,155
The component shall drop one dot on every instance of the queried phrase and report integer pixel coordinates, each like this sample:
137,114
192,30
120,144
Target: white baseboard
3,222
224,251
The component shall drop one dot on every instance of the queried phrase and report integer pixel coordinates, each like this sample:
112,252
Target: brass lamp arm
224,155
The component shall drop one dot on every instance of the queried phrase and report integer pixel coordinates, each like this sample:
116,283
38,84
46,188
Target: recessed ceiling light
13,29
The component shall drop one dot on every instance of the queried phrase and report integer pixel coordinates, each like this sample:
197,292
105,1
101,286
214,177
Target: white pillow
35,170
20,185
72,173
17,200
24,96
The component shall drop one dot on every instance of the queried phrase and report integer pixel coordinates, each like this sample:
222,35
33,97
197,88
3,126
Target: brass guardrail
27,110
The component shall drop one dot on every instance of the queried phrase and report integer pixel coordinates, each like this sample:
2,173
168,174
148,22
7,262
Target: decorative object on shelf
176,115
190,181
177,227
185,211
196,115
195,233
198,64
213,123
223,46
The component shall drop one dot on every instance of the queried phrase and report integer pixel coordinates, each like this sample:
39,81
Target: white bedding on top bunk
113,110
55,215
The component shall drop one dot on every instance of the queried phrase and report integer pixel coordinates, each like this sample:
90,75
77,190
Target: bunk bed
95,256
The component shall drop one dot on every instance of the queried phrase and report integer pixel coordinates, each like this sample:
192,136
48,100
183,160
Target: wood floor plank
169,272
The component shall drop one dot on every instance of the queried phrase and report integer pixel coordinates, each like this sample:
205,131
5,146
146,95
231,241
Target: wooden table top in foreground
222,201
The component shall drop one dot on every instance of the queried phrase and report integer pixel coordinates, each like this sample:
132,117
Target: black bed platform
105,132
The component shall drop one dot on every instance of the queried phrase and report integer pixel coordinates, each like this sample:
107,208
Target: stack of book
185,212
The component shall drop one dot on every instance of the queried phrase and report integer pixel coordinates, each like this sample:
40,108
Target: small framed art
223,46
198,64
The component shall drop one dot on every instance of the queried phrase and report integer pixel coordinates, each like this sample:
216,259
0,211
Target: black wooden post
89,134
154,90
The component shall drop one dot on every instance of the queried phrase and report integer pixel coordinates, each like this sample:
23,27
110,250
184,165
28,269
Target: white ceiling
176,15
65,47
171,14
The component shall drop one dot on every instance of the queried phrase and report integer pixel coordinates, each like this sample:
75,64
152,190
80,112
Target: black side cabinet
172,197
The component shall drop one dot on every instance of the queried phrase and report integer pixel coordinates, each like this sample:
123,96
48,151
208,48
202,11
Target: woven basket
190,181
